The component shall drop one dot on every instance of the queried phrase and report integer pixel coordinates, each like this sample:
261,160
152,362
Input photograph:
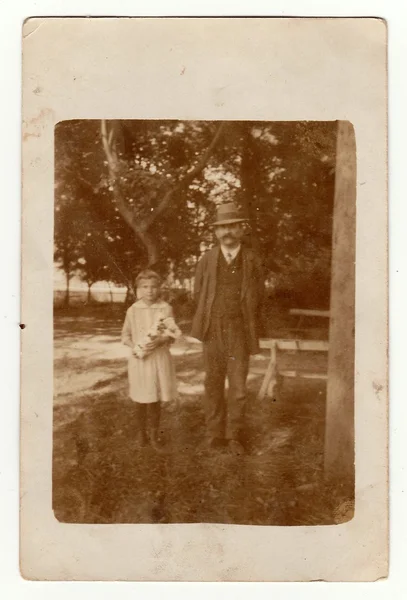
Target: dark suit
229,337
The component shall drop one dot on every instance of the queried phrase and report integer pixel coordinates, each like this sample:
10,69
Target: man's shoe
217,443
212,445
236,448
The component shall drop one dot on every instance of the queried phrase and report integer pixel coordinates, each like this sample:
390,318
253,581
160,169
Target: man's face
230,235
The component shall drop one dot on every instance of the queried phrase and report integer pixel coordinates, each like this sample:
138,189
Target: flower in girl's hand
169,328
164,330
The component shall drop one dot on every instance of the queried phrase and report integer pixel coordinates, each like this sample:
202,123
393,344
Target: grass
100,475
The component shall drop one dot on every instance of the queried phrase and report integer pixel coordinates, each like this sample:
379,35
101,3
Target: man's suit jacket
252,295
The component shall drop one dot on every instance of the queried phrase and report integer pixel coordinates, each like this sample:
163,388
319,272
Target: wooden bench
273,377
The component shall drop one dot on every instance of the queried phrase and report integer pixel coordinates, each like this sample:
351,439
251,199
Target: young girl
151,374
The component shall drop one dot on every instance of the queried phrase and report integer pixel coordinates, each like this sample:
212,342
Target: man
228,292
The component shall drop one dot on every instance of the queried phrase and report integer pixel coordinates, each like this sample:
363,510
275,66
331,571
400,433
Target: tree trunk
339,427
127,297
89,299
66,265
151,249
111,294
67,281
247,174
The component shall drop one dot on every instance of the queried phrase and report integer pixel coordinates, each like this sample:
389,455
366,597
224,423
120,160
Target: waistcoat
227,301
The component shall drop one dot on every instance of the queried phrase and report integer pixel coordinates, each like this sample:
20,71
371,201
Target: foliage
134,192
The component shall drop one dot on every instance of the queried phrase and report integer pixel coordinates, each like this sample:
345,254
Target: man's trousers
225,355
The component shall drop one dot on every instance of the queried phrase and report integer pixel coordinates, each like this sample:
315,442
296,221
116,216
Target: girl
151,374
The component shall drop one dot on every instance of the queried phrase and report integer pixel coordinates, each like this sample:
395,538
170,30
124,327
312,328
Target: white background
11,17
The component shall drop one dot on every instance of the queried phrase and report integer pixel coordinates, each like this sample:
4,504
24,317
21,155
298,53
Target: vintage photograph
204,322
204,295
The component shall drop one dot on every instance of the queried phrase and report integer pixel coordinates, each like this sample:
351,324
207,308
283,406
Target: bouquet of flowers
165,327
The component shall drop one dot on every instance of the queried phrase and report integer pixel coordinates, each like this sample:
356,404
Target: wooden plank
304,345
301,345
309,313
303,375
265,343
293,330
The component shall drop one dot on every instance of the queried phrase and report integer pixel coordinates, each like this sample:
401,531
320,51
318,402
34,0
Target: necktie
229,258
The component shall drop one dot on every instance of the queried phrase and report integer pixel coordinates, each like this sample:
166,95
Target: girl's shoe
142,439
155,441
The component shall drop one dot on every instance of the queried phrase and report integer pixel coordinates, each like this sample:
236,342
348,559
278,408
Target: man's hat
227,214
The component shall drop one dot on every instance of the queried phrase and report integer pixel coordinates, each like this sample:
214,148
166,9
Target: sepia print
204,357
224,232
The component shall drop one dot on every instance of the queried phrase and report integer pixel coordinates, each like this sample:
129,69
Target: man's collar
231,252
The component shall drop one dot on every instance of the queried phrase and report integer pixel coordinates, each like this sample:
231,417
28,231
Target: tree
65,257
147,191
142,217
66,247
339,429
86,222
284,175
90,268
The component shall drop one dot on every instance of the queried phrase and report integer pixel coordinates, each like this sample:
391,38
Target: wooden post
270,378
339,427
271,388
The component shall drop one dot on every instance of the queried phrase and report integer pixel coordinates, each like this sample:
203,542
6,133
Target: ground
100,475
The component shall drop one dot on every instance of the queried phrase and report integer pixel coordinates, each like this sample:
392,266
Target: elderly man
228,293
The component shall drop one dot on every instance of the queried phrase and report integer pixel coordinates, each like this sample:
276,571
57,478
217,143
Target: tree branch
107,138
190,176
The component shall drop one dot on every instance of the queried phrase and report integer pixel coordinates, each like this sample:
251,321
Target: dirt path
89,362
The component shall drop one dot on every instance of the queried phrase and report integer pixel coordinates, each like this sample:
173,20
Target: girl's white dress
152,378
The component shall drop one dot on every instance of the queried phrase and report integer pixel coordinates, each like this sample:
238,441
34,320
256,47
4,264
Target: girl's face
148,290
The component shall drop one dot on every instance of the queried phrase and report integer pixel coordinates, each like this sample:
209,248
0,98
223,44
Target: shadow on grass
100,475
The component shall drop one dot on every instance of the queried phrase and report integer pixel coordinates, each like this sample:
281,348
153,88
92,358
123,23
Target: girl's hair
148,274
